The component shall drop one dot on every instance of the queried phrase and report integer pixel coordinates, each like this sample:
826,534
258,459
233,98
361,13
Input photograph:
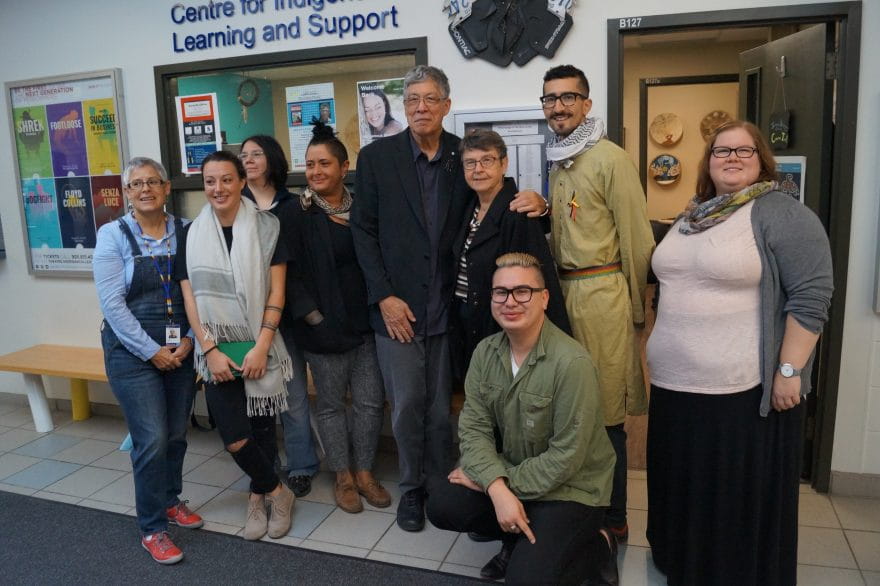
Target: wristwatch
788,371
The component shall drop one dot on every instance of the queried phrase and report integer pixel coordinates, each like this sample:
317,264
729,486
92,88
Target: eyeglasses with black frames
567,98
743,152
152,183
521,293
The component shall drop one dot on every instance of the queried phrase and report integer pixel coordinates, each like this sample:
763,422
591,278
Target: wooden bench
78,364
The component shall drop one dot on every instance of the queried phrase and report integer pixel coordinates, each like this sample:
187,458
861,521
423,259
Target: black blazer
389,228
502,231
312,275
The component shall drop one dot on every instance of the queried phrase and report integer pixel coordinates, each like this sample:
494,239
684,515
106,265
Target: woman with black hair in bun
333,327
266,167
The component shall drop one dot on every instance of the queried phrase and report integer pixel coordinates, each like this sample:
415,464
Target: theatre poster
69,150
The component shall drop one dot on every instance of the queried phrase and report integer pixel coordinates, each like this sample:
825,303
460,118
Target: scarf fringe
258,406
227,332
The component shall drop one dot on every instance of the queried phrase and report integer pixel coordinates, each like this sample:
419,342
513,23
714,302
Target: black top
279,257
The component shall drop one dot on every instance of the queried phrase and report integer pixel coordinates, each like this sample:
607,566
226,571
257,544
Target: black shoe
480,538
608,575
411,510
300,485
496,568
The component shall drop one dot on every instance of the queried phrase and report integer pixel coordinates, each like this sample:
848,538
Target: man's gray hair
138,162
421,73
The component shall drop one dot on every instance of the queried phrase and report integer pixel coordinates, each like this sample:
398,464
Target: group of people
437,269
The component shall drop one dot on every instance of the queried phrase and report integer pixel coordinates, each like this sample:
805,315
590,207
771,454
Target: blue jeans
156,405
302,460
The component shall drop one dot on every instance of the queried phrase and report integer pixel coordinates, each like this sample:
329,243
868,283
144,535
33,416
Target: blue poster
40,210
75,212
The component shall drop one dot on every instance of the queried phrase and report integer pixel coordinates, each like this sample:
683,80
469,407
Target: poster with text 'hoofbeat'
69,151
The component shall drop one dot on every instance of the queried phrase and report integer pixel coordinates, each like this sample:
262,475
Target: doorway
844,19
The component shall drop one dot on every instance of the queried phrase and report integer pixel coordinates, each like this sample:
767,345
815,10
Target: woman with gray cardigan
745,274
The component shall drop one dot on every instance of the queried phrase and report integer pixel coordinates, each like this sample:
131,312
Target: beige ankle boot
257,522
280,511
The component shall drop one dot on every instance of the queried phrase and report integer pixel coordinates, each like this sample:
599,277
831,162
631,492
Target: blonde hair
520,259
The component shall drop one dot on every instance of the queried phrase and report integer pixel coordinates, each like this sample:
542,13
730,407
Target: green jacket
555,446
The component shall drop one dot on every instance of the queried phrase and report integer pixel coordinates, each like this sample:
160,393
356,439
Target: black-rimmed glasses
567,99
743,152
521,294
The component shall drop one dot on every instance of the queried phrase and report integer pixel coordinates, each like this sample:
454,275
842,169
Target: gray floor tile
637,494
229,507
465,552
9,402
115,460
207,443
871,578
197,495
86,451
220,528
430,543
323,485
243,484
284,540
362,530
102,427
119,492
216,472
354,552
42,474
4,429
460,570
59,420
307,516
192,460
866,547
637,568
822,576
13,463
85,481
816,510
855,513
386,468
104,506
48,445
16,438
16,417
17,489
402,560
818,546
61,498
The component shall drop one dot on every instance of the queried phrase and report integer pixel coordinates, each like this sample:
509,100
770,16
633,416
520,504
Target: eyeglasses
567,99
431,101
486,162
743,152
244,156
521,293
152,183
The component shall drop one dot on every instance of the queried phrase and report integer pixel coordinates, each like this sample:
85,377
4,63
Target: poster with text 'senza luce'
70,167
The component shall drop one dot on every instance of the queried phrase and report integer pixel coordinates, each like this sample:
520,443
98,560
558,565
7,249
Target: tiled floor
79,463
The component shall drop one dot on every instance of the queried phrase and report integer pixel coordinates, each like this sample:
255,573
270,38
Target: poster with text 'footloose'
198,126
305,105
69,148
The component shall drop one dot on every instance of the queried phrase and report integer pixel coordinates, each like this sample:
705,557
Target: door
791,74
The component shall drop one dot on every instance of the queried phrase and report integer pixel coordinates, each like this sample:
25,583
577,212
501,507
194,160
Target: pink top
707,335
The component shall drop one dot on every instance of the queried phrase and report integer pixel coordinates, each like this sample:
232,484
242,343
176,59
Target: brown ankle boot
347,497
371,490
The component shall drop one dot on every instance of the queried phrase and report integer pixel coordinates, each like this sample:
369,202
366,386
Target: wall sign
501,31
198,127
69,141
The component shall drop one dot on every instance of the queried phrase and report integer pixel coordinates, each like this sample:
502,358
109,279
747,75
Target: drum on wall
666,129
665,169
712,121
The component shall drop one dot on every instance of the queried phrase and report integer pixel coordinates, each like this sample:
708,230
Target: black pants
568,547
228,404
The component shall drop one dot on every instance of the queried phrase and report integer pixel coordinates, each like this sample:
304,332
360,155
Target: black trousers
568,547
228,404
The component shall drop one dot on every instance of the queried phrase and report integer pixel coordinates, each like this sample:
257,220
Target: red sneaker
162,548
181,516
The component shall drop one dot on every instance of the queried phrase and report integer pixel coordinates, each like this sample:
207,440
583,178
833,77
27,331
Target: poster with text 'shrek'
198,126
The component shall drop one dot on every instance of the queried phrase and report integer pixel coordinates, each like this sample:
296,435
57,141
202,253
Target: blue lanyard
165,278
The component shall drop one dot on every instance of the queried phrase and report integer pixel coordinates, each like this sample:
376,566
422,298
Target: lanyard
164,278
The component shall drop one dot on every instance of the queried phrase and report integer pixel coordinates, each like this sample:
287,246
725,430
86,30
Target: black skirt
723,489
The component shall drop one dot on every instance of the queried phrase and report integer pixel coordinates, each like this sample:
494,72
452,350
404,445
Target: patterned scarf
309,197
698,217
563,150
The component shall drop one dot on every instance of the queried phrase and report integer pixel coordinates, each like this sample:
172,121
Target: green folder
236,351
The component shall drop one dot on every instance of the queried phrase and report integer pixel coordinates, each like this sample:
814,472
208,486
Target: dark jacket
314,277
389,226
501,231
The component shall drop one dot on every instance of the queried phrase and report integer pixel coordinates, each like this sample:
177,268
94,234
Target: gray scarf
309,197
563,150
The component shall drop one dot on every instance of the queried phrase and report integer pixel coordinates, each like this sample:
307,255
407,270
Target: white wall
57,37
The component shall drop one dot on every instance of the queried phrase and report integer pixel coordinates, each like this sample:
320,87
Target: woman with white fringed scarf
232,273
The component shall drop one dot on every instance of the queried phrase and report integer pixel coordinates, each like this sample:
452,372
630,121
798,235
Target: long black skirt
723,489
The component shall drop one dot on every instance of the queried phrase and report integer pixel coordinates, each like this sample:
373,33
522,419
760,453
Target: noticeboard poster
305,105
380,109
70,149
198,127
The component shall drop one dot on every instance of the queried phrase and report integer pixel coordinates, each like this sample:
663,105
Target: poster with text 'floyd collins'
70,151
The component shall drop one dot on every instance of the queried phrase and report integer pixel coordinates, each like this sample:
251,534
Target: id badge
172,335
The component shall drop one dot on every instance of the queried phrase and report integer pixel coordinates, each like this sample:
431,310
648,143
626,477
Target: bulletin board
69,143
